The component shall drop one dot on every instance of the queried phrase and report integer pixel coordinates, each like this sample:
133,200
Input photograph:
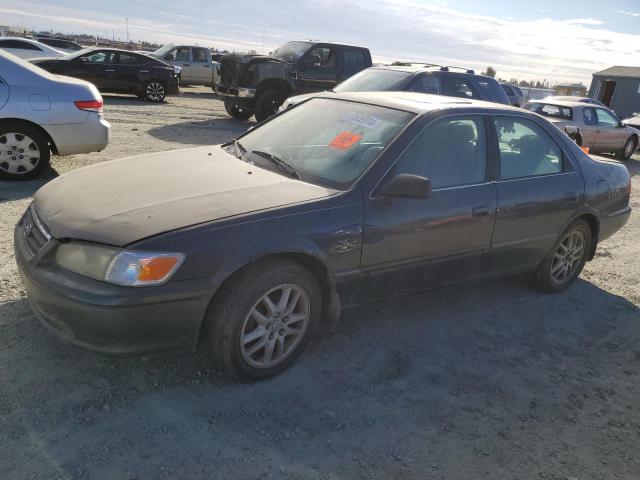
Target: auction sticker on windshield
362,120
345,140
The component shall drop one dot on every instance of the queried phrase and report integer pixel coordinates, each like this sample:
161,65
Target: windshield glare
327,141
373,80
161,51
550,110
291,51
76,54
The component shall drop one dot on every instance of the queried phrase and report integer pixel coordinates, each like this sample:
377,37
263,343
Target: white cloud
631,14
542,47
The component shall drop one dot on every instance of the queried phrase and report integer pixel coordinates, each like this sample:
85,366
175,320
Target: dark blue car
345,199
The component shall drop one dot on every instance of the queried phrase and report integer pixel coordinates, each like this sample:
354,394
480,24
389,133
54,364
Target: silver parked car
591,126
42,113
28,48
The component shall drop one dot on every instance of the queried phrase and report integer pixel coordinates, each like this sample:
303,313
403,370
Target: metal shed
619,88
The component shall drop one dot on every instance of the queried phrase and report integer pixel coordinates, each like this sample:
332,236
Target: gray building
619,88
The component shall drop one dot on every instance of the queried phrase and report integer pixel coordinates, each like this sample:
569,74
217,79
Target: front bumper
239,92
103,317
72,138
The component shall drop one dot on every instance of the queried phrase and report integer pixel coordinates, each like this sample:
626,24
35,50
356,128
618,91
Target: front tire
24,151
565,260
263,319
628,149
237,111
268,104
154,91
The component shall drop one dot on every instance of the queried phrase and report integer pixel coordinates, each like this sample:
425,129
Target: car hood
122,201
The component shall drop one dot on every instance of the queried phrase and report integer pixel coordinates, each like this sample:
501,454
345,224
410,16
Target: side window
199,55
489,90
18,45
354,60
455,86
97,57
589,116
605,118
526,150
450,152
427,84
180,54
517,90
508,90
126,59
323,57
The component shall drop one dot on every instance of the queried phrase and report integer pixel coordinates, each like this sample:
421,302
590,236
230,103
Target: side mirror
572,131
407,185
620,125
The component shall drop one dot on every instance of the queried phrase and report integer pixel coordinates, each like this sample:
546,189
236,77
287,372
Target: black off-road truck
259,84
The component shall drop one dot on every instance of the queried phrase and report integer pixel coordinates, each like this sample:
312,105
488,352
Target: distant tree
490,72
399,63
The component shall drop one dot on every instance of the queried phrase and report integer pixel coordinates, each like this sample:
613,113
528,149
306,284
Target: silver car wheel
567,257
19,153
275,326
155,91
629,147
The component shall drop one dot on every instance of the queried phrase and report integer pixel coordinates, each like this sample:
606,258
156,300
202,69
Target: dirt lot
490,380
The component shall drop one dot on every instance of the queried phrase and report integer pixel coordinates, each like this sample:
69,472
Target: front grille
35,232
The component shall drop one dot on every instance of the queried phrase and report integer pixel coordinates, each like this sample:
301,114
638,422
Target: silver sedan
591,126
42,113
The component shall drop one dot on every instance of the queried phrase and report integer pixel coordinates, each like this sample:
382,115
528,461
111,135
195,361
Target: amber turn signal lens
585,150
155,269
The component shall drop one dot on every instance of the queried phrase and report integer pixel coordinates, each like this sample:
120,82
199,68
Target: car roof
561,103
414,102
428,68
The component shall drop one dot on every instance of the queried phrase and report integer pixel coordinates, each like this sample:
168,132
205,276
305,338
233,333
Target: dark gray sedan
341,200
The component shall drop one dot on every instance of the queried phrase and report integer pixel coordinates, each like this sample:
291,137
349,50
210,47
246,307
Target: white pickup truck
195,62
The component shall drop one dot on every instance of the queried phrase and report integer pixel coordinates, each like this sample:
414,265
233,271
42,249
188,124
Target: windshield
550,110
373,80
161,51
291,51
325,141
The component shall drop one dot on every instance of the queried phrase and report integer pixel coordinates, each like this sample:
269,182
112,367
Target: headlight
120,267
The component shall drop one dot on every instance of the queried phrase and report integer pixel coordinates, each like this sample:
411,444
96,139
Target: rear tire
268,104
154,91
24,151
252,333
566,259
237,111
628,149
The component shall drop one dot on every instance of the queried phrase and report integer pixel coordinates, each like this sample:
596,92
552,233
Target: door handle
571,196
482,211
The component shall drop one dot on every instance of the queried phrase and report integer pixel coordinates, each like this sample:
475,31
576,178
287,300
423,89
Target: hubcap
567,257
155,91
19,154
275,326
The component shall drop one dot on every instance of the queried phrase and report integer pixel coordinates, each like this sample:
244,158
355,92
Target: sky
560,41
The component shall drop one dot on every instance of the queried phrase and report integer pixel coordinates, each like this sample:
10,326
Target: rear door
610,137
123,71
539,190
588,124
410,243
201,66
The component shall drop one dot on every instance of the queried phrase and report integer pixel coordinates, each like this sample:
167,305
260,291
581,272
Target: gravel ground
490,380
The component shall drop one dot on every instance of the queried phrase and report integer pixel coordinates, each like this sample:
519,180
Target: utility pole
264,31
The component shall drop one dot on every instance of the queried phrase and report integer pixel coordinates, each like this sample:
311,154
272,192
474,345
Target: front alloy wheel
262,319
154,92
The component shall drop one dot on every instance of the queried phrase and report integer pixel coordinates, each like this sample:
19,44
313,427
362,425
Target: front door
609,136
410,244
539,191
320,69
94,68
180,57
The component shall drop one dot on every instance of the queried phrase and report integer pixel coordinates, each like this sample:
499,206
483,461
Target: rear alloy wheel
263,319
154,91
24,152
628,149
237,111
566,259
268,104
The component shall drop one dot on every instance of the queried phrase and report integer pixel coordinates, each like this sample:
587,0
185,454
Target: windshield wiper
280,164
